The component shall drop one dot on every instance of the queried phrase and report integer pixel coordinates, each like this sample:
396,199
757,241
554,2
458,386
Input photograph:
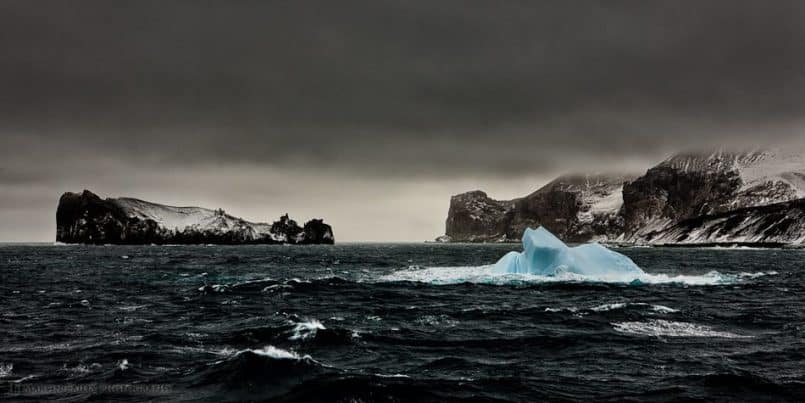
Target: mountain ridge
651,208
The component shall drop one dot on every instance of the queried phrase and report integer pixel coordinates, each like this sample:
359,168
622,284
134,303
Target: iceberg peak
545,254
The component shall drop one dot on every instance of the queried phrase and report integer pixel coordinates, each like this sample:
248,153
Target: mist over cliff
752,197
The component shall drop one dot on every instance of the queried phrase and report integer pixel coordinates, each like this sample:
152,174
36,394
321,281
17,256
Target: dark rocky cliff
86,218
673,202
576,208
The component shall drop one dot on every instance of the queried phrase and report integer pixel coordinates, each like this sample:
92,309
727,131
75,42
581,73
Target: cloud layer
375,103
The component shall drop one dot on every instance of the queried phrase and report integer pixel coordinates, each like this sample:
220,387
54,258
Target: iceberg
546,255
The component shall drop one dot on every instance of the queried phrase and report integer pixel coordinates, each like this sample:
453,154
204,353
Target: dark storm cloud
397,87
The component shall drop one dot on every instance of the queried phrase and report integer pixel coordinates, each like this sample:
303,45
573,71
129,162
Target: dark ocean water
394,322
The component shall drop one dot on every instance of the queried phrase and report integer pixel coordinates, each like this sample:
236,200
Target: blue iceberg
546,255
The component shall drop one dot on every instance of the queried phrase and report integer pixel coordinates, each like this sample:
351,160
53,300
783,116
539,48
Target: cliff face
677,189
474,217
772,224
89,219
667,204
575,208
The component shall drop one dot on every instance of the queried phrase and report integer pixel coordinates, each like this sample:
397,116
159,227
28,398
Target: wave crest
667,328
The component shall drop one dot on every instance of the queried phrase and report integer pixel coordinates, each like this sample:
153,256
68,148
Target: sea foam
666,328
545,259
487,275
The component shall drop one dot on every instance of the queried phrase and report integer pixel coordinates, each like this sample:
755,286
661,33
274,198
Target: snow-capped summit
677,201
713,197
766,176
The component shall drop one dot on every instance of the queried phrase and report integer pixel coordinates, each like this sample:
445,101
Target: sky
372,114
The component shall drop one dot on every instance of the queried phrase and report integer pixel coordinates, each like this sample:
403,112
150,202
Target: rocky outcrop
575,208
474,217
690,186
684,199
86,218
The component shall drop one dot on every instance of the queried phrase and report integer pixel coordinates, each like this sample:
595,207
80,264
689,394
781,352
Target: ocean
394,322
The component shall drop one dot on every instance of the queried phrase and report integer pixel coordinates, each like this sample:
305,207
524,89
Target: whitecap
608,307
275,287
663,309
621,305
214,288
437,321
666,328
123,364
571,309
275,353
5,370
306,329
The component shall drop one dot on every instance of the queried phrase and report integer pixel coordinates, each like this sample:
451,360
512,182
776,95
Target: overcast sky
371,114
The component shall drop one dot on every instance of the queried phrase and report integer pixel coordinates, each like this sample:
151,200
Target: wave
262,373
622,305
274,352
749,385
251,355
306,329
247,285
452,363
485,275
436,321
266,285
666,328
298,330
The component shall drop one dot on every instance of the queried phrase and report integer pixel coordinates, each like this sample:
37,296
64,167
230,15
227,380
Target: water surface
396,322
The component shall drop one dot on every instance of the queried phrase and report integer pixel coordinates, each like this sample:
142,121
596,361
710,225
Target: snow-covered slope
770,177
664,205
600,196
778,224
86,218
188,218
766,176
687,186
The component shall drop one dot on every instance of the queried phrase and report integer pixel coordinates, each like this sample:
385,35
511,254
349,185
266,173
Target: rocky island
720,198
86,218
